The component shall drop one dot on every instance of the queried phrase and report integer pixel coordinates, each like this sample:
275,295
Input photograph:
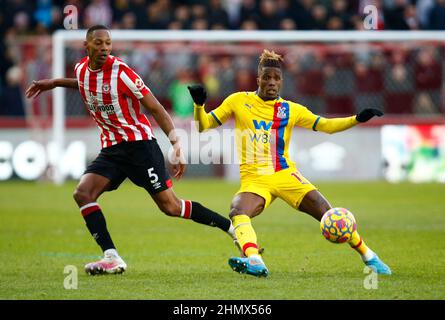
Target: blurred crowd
20,17
223,74
341,79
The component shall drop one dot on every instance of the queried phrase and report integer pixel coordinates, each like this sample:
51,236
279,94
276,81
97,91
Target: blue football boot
251,265
378,266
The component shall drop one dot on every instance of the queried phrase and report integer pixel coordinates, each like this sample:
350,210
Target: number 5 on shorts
153,176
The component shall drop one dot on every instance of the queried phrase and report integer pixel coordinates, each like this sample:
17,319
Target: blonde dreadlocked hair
270,59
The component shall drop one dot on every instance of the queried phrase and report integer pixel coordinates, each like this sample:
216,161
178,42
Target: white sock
369,254
111,252
256,256
231,231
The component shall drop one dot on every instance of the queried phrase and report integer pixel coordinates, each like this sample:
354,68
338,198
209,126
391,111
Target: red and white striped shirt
112,95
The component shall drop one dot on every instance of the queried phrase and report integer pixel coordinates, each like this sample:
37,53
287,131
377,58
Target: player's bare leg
172,206
247,203
316,205
245,206
89,189
168,203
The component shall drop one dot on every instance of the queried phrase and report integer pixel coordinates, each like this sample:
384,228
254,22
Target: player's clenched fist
198,93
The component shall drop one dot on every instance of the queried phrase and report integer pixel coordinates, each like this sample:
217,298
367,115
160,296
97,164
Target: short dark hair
96,27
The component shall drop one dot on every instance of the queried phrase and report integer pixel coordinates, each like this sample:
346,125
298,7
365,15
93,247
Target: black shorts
141,161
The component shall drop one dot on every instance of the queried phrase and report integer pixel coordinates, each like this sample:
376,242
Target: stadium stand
328,79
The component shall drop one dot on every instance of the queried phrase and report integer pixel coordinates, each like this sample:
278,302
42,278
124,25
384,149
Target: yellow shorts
287,184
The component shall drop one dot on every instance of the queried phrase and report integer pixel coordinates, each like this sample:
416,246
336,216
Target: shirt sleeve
214,118
304,117
335,124
222,113
132,84
81,62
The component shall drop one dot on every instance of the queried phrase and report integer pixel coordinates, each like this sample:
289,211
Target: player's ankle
256,256
111,252
368,255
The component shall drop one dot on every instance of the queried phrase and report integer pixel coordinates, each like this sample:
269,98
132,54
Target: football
337,225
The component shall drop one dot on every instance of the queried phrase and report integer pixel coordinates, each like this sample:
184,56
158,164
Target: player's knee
251,212
82,197
235,211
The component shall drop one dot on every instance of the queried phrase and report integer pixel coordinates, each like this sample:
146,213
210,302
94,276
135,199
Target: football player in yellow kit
264,123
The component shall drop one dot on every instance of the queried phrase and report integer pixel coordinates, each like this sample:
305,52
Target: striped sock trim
249,245
89,208
216,119
358,244
186,209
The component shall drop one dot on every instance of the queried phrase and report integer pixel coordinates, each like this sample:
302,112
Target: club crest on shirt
106,88
281,112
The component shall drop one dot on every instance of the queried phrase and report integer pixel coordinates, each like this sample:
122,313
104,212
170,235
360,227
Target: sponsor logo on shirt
94,106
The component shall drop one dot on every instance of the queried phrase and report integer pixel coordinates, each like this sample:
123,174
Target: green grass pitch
42,231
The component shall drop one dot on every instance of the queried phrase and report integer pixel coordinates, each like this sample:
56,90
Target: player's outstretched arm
204,120
340,124
165,122
38,86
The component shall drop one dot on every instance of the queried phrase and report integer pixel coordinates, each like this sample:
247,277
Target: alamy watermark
263,146
71,281
371,17
70,22
371,281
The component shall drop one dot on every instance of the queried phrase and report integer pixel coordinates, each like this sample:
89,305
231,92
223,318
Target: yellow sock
360,246
245,234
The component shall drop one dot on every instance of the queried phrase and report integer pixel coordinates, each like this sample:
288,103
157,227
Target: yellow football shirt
263,129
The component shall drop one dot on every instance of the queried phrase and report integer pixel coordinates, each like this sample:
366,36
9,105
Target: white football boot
111,263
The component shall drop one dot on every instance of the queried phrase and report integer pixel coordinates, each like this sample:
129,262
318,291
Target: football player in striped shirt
264,123
113,94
